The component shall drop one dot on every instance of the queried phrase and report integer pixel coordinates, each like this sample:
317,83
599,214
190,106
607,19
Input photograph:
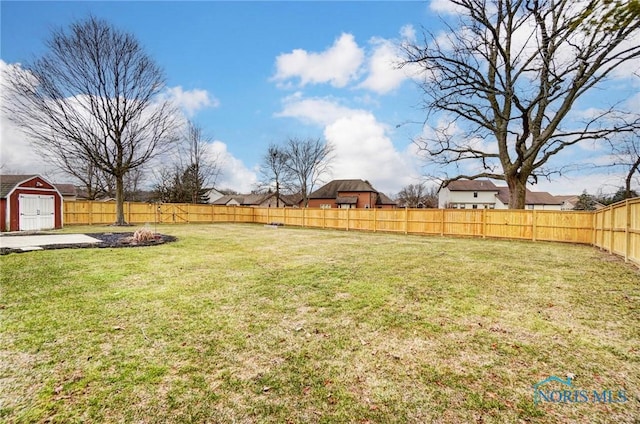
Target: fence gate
172,214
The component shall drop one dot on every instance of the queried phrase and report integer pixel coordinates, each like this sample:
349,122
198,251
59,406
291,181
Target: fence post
324,218
406,220
535,225
442,223
627,231
602,232
594,226
348,209
613,220
90,208
375,219
484,223
303,214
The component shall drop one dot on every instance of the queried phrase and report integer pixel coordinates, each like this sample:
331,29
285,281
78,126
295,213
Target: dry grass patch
241,323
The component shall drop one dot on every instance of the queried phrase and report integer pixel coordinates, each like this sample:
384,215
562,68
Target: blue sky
254,73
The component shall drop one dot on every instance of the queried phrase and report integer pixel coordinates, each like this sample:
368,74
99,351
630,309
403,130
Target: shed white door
37,212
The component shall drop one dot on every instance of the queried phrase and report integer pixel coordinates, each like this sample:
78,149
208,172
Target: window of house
475,194
529,206
325,206
474,207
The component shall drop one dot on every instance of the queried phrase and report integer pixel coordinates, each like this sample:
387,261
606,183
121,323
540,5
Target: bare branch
510,72
93,98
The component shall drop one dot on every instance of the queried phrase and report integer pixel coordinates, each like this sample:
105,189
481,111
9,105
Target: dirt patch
111,240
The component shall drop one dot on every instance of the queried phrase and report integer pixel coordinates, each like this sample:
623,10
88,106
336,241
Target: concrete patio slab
33,242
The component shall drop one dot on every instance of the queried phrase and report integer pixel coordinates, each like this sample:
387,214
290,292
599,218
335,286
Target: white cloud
445,7
604,182
234,174
408,33
363,147
337,65
191,101
17,154
318,111
383,67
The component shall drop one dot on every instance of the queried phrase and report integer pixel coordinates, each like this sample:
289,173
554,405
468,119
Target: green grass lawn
247,324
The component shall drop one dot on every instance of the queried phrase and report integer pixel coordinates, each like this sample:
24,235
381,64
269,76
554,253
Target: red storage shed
29,203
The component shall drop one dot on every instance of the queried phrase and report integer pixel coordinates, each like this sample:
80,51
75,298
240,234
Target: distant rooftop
472,185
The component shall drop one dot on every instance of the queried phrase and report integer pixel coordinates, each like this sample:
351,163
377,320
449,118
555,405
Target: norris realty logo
568,394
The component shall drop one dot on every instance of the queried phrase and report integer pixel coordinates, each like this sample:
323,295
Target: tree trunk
627,180
120,200
517,192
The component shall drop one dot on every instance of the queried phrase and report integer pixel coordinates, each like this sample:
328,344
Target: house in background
348,194
468,194
569,202
69,192
263,200
533,200
29,203
212,194
484,194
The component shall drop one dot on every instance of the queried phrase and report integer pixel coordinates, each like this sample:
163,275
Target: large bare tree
93,98
505,77
307,160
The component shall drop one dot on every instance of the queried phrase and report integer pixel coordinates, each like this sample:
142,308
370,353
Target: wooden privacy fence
615,228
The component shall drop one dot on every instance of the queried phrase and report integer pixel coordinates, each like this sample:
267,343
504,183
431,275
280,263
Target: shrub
143,235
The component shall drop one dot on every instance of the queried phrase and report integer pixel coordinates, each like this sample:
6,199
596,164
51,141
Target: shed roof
8,182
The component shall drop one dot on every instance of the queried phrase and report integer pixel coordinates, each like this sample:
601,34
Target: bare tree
274,171
506,78
307,160
92,98
193,168
418,196
203,166
626,154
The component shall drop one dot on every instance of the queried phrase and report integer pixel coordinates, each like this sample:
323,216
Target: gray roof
383,199
531,197
251,199
8,182
347,200
472,185
331,190
66,189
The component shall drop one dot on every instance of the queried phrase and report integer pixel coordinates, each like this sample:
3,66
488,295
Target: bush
143,235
